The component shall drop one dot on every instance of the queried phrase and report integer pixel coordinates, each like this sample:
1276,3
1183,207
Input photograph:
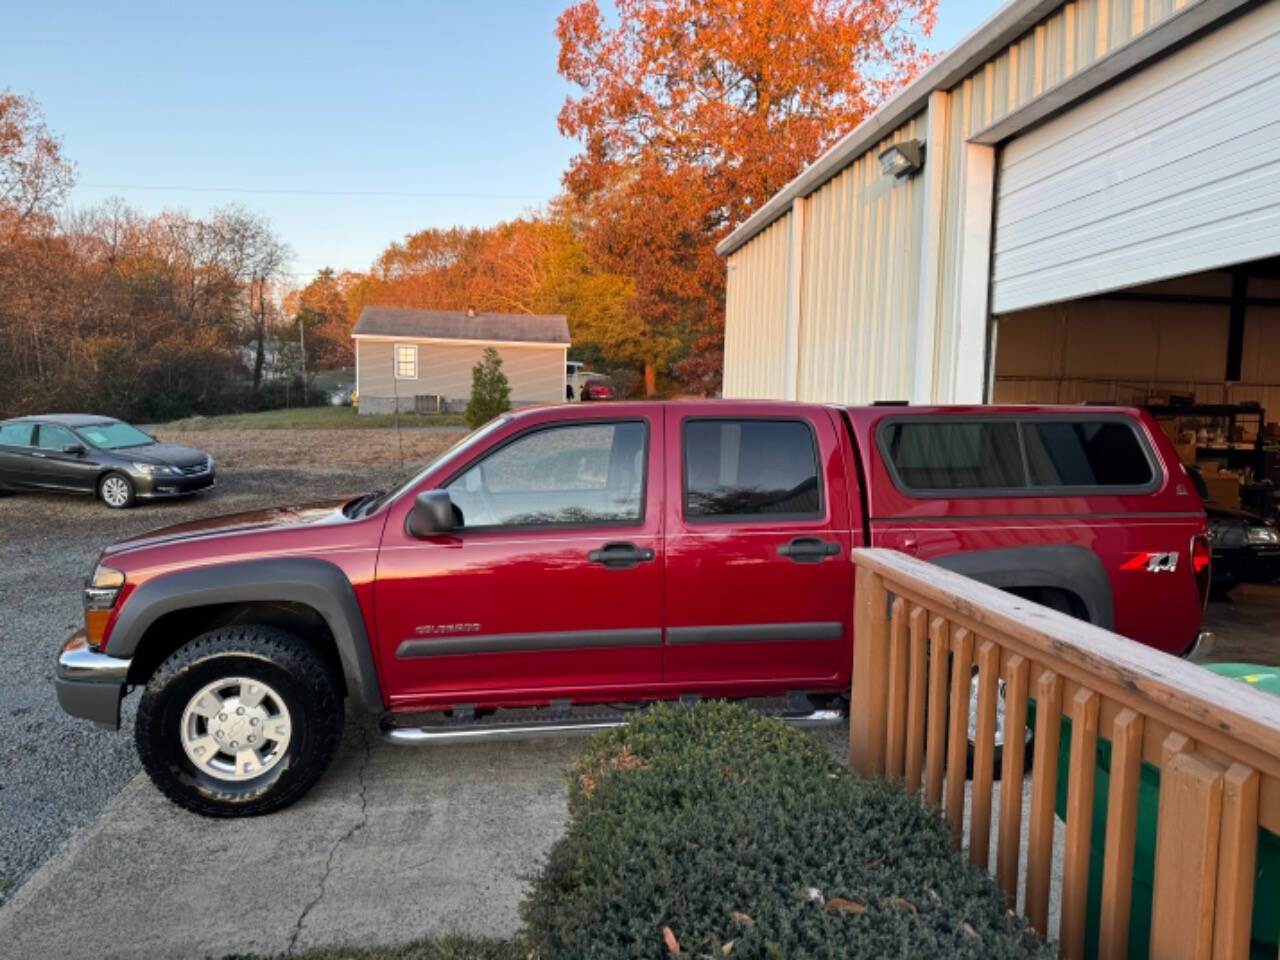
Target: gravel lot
56,772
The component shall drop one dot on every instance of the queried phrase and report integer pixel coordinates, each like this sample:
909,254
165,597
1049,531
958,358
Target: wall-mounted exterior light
902,159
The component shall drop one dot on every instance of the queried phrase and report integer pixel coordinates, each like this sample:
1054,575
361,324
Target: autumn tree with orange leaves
692,113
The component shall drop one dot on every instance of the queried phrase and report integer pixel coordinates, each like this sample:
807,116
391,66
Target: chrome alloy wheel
236,728
973,711
115,491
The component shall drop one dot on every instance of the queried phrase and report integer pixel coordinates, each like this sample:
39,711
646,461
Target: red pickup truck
563,565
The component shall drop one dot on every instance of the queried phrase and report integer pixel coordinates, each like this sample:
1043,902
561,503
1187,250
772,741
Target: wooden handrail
925,637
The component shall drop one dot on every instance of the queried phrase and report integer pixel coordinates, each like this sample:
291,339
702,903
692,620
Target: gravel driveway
56,772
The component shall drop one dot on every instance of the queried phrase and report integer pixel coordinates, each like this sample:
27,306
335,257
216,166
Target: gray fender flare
306,580
1063,566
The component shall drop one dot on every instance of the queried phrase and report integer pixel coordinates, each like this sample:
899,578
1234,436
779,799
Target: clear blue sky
337,98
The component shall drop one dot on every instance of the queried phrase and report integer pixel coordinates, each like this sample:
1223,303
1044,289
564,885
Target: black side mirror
74,449
433,513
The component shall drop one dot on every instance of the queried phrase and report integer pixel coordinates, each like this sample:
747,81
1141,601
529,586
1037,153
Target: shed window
407,362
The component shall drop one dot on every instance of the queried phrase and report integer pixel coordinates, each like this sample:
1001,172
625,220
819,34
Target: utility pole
302,345
256,285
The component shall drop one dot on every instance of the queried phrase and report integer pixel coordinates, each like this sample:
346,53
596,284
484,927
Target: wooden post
984,753
958,735
870,674
1015,747
1122,828
939,630
1186,869
1237,861
1044,787
1080,778
918,685
896,742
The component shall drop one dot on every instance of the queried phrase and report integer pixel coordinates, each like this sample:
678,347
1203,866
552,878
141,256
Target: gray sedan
84,453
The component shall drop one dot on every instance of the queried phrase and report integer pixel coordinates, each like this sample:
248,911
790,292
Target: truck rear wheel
1055,599
240,721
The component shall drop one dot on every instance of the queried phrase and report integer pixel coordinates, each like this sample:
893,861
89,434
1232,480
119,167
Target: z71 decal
1152,561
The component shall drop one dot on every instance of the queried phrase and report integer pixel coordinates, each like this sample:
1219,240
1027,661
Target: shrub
490,391
691,830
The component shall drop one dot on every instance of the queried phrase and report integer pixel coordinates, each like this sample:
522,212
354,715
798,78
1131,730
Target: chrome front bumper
90,684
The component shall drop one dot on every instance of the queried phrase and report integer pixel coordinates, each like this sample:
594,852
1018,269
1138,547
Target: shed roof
458,325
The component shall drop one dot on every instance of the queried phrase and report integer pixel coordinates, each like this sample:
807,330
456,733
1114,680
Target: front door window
558,476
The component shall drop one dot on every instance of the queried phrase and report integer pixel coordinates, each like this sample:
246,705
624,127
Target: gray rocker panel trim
315,583
527,642
1063,566
756,633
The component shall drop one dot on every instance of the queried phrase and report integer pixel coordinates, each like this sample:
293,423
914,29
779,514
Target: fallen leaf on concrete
839,905
670,939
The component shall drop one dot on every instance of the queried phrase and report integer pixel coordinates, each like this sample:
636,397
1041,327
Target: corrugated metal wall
1071,39
536,374
859,295
758,287
860,286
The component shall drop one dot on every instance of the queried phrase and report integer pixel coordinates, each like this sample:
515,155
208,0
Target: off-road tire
1055,600
304,678
116,477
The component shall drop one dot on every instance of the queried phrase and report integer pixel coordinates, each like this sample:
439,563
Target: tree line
690,114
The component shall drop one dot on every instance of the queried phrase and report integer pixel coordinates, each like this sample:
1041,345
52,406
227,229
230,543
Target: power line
438,195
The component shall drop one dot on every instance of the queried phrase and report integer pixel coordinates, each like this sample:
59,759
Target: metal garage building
1085,206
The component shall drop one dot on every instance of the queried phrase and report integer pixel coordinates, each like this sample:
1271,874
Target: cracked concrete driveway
394,843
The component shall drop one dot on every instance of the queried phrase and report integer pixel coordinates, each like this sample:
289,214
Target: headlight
100,595
154,469
1264,535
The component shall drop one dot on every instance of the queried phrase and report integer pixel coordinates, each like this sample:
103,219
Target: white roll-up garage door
1172,171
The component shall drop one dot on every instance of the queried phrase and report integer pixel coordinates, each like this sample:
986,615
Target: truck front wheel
240,721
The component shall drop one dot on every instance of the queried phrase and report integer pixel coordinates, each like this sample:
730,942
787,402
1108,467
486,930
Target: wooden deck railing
924,635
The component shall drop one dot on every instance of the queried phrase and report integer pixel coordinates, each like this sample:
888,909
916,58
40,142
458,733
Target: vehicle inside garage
1202,354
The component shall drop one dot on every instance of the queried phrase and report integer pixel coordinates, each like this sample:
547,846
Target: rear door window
751,470
1073,453
979,455
15,435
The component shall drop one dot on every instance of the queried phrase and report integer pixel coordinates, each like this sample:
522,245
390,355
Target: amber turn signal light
100,595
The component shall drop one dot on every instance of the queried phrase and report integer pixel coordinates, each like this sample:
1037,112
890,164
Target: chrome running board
448,730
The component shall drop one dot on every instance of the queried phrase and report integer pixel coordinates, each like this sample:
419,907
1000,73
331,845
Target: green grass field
313,418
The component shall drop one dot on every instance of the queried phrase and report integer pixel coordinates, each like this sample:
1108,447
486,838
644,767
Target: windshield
466,443
113,434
